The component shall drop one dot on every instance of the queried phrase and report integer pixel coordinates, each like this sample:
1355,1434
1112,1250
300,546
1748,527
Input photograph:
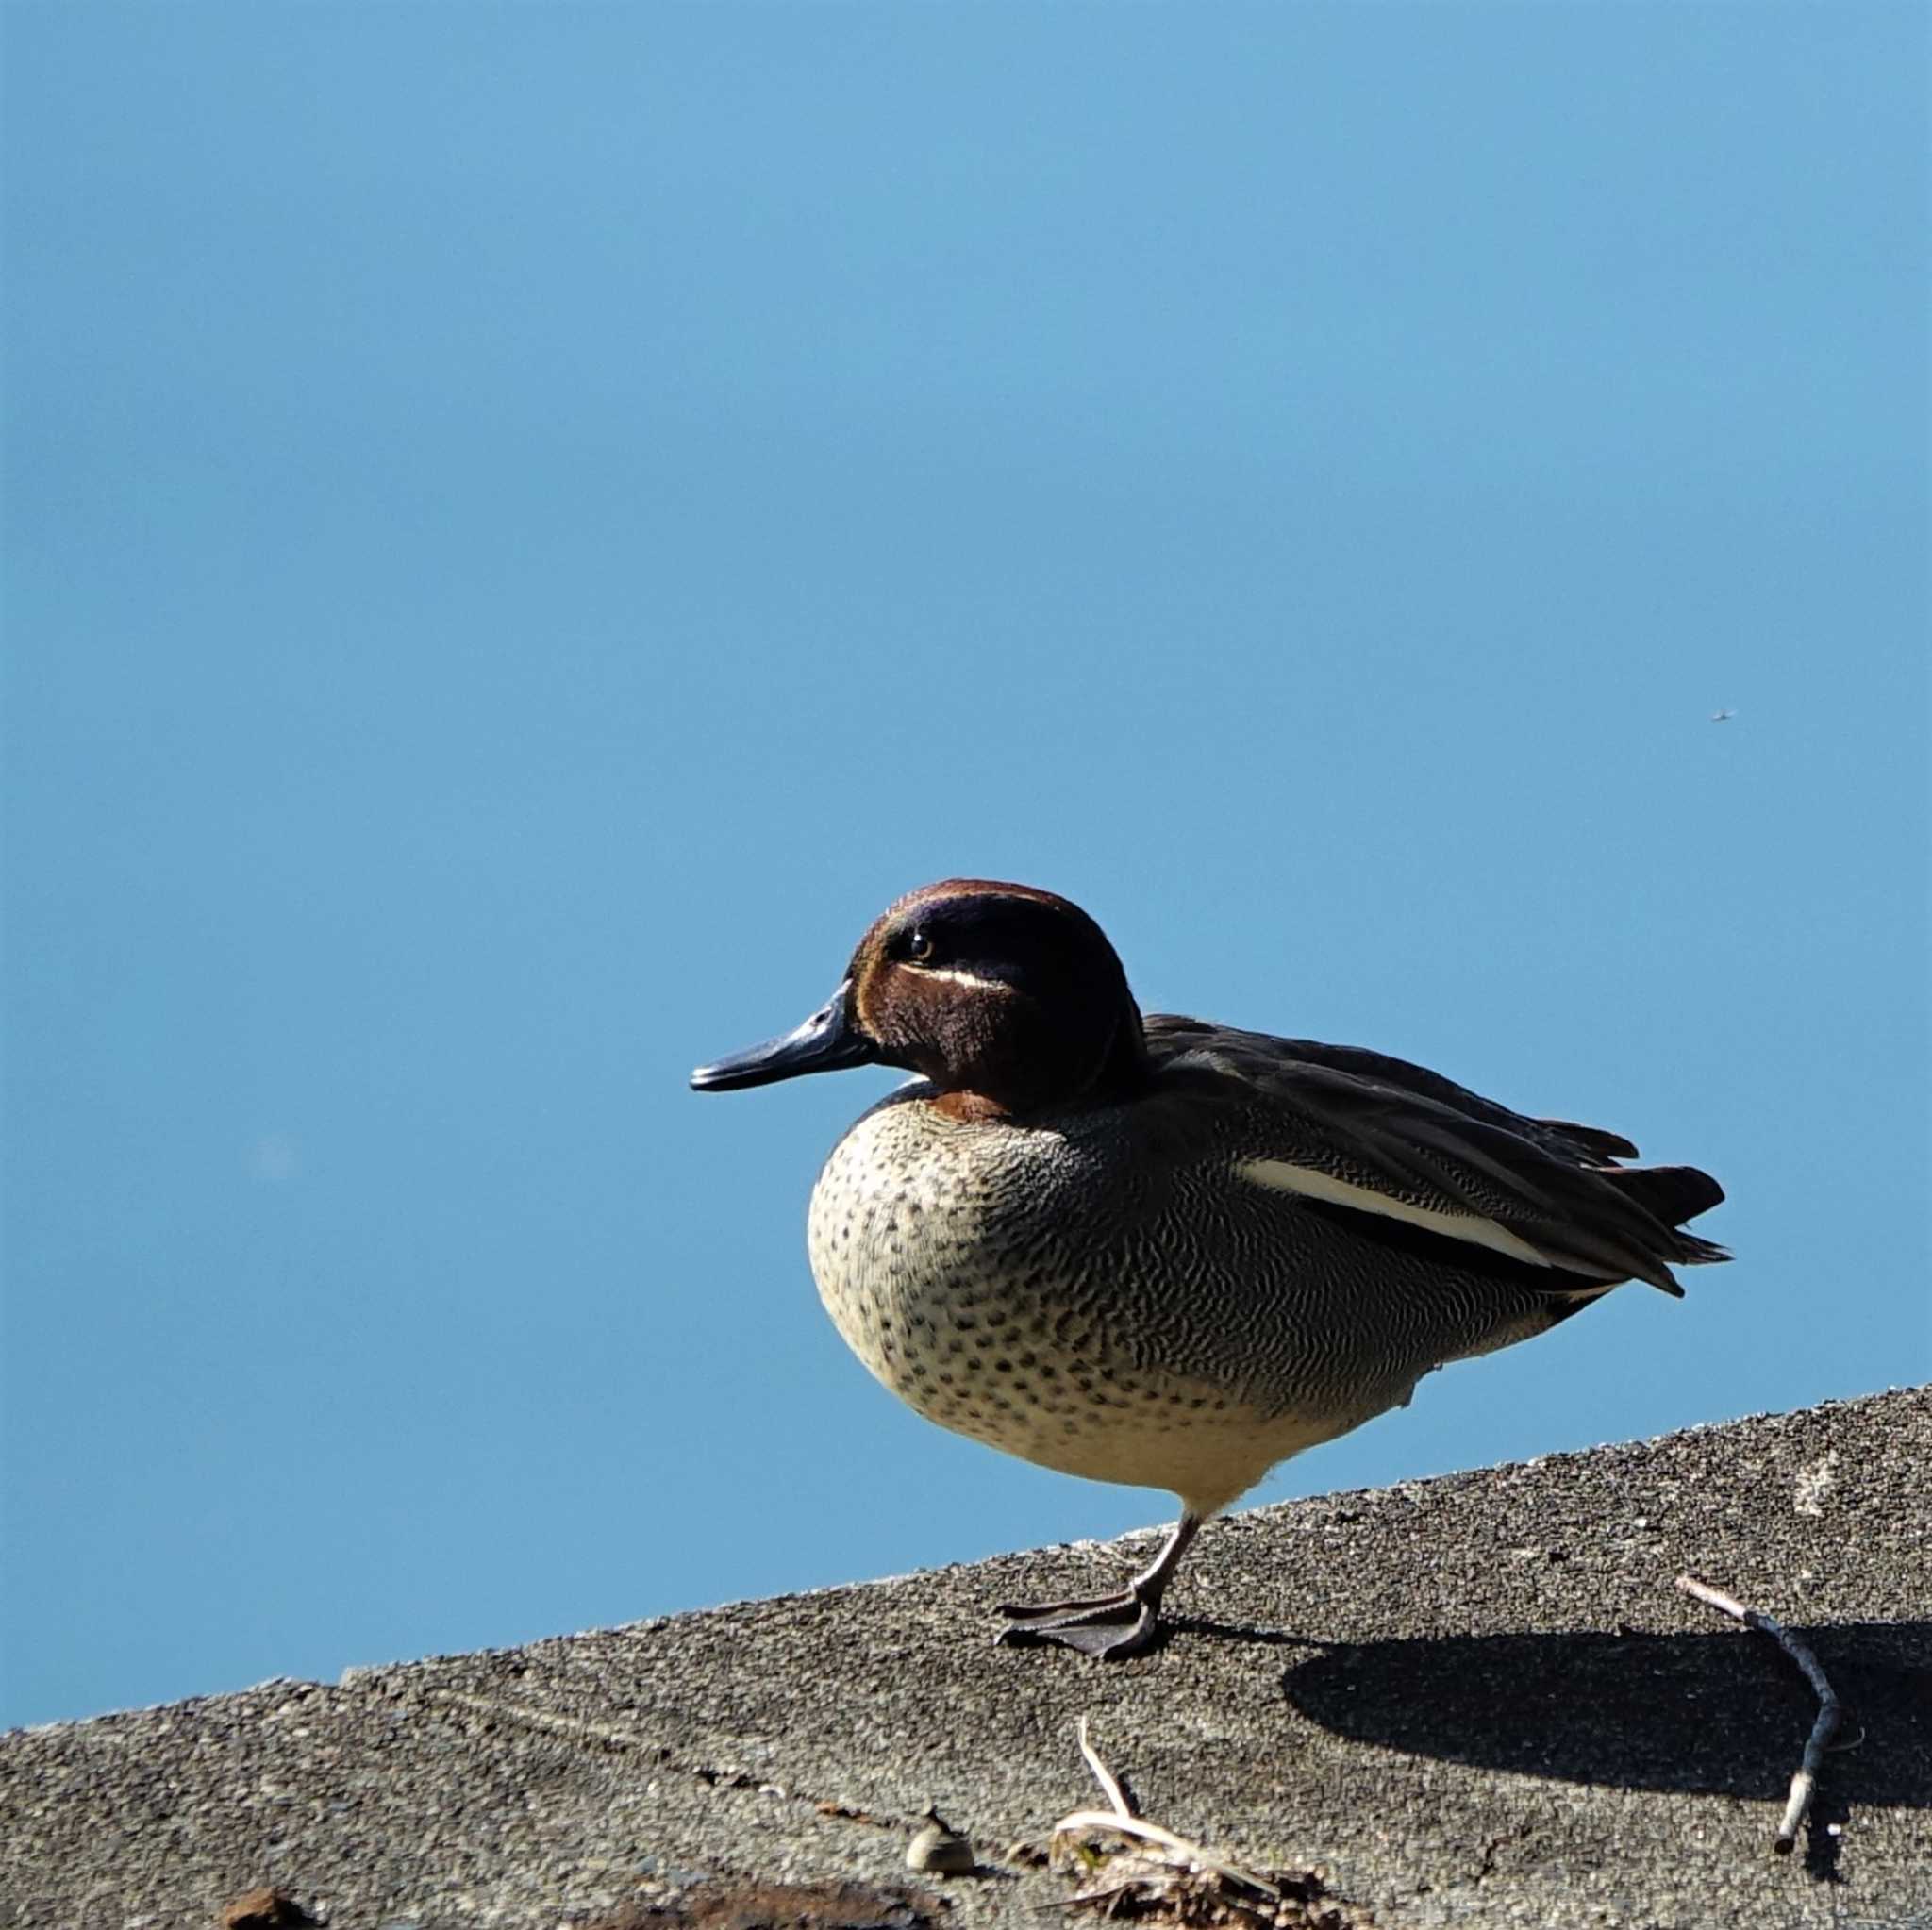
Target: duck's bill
827,1042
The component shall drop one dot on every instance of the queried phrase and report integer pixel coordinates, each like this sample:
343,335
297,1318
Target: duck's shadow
1724,1713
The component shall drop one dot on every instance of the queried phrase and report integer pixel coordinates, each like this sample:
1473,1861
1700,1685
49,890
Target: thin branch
1803,1783
1104,1775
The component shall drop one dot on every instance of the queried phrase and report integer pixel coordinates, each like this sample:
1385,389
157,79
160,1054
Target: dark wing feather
1372,1128
1591,1143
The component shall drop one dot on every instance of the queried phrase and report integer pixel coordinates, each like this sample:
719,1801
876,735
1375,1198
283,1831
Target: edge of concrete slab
1474,1699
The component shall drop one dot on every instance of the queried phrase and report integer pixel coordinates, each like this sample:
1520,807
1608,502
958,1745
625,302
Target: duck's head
1010,1000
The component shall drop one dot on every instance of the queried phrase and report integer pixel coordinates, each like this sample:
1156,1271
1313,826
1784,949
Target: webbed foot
1110,1628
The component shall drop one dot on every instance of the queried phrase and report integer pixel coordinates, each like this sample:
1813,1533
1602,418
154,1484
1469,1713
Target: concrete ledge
1470,1700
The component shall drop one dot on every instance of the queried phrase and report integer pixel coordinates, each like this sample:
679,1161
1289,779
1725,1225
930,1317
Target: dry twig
1102,1776
1803,1784
1160,1873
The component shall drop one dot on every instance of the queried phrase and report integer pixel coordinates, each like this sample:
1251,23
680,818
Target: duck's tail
1675,1195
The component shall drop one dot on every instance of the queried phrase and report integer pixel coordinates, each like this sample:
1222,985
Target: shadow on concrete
1724,1713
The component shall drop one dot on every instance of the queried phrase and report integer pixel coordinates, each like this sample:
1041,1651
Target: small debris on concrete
266,1909
848,1812
941,1848
1154,1872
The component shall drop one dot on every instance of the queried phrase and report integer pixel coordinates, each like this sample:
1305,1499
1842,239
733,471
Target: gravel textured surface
1471,1701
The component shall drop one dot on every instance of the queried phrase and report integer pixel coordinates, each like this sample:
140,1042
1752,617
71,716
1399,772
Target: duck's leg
1109,1627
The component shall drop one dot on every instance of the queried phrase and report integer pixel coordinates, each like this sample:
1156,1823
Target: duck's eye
920,947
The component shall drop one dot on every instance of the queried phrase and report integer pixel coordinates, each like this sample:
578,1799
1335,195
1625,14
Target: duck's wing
1560,1135
1593,1143
1364,1133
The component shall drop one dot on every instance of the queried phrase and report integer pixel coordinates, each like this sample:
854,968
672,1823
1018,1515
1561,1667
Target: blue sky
525,526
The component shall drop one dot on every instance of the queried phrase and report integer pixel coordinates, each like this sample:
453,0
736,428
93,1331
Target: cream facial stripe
953,975
1312,1185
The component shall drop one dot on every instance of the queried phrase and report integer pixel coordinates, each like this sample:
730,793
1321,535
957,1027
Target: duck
1157,1251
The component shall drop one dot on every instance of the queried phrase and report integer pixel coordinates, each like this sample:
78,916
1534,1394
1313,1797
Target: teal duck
1167,1253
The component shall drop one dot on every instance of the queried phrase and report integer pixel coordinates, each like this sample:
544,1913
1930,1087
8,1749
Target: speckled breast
920,1262
969,1266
